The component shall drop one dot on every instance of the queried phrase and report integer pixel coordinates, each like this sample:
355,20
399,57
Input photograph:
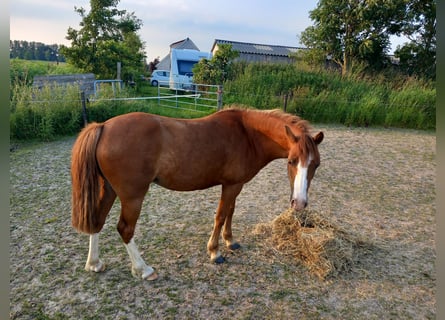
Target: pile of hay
321,246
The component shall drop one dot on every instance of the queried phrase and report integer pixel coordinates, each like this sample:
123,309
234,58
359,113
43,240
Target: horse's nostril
298,205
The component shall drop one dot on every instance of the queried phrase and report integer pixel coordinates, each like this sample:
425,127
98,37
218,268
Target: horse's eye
291,162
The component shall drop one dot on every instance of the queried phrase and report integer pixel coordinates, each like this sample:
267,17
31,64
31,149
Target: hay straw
324,248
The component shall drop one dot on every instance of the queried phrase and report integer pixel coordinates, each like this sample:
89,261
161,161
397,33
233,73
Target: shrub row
321,96
317,96
57,111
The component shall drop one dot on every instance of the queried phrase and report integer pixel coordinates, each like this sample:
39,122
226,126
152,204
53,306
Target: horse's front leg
223,217
227,232
93,262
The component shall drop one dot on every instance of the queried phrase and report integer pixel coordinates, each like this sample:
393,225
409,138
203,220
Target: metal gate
200,97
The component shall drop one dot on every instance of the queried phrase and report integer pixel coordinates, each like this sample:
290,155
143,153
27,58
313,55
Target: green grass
318,96
326,97
23,71
51,113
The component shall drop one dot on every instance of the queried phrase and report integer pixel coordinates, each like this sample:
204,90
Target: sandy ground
379,183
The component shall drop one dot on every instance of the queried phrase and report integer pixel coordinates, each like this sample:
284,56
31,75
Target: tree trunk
346,66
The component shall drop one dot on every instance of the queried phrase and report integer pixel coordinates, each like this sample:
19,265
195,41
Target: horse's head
303,160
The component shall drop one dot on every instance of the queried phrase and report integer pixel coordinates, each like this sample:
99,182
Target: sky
168,21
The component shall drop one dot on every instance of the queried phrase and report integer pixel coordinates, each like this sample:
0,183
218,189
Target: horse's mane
306,144
292,120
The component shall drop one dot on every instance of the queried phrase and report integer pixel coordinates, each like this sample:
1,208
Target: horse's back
179,154
127,134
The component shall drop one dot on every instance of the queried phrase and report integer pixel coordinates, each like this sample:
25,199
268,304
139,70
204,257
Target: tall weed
44,114
316,95
23,71
412,107
325,96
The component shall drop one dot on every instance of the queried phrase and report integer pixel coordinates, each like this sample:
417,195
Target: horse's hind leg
106,200
93,262
126,226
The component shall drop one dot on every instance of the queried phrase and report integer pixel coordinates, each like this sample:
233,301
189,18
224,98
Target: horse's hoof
151,277
98,267
219,260
234,246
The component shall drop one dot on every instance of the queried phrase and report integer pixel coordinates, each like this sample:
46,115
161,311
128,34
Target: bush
44,114
318,96
57,111
22,72
324,96
412,107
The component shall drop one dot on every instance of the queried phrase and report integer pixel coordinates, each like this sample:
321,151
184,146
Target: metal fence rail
200,98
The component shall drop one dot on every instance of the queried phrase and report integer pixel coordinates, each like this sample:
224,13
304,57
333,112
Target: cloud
45,9
167,21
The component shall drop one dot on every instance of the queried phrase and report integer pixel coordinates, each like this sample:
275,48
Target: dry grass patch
378,184
319,244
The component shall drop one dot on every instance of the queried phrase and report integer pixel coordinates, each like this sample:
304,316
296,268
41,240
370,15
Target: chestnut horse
124,155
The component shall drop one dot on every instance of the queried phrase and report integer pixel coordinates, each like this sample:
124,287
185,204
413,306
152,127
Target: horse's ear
290,135
319,137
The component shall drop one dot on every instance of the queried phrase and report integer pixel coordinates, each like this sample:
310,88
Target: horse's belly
185,183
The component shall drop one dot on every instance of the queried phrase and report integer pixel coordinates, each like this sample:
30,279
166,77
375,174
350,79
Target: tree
107,36
353,30
152,65
216,70
418,57
34,51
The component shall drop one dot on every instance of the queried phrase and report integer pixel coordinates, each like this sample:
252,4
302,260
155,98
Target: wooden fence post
118,66
285,102
219,98
288,96
84,108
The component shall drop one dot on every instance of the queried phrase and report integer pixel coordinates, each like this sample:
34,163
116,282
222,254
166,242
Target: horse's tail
85,180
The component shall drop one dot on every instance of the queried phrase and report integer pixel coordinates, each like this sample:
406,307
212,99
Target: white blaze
300,182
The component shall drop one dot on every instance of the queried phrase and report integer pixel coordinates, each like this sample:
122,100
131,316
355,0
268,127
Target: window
185,67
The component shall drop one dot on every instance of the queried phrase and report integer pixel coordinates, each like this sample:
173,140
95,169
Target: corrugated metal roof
256,48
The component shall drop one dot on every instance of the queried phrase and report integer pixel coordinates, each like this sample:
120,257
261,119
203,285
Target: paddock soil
378,183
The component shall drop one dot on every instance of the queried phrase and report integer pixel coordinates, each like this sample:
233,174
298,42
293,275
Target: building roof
187,43
257,48
184,44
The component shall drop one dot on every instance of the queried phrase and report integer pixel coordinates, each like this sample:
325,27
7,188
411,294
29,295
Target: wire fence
402,109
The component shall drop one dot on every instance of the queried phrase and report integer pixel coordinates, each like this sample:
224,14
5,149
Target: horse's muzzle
298,204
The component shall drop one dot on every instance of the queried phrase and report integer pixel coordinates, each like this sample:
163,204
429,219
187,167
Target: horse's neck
269,137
